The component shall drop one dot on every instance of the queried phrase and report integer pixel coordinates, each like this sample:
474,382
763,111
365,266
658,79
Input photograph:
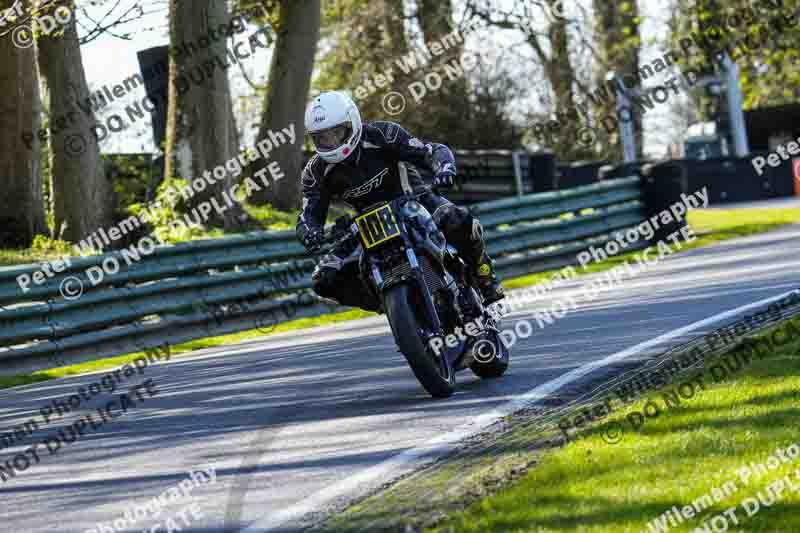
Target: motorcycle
426,291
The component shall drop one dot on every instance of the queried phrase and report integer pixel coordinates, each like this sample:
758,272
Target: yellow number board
377,226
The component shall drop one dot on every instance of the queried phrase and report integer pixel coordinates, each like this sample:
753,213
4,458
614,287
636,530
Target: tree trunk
201,130
558,67
21,204
83,196
285,100
553,53
435,17
394,27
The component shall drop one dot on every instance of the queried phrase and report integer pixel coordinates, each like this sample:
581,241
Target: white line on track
416,457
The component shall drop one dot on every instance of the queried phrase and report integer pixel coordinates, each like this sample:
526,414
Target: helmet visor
332,138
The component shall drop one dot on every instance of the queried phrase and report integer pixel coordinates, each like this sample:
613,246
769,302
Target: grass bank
699,458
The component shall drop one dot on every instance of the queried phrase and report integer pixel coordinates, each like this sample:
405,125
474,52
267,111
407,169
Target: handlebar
332,237
340,232
342,228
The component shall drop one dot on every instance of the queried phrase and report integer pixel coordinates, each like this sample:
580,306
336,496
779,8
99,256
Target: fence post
662,186
542,171
517,172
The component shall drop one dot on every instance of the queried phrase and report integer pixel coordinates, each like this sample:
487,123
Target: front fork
427,299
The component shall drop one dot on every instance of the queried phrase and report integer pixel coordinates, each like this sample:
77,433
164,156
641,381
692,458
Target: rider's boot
486,279
465,232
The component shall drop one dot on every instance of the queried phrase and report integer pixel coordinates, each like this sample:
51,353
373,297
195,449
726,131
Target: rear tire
399,309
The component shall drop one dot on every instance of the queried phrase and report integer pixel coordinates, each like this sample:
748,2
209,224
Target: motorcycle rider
362,164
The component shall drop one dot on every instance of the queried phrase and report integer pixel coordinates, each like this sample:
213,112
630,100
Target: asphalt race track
288,422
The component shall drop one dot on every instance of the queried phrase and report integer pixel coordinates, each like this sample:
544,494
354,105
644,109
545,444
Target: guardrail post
542,171
662,186
517,172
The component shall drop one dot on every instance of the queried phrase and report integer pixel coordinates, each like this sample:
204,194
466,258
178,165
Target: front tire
399,306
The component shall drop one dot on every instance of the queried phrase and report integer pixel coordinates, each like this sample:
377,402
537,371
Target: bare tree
201,132
83,199
285,100
435,17
559,47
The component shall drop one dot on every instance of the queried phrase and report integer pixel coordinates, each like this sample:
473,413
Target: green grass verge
712,226
183,349
674,459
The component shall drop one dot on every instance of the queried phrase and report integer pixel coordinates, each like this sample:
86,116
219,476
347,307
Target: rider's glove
445,177
342,224
313,241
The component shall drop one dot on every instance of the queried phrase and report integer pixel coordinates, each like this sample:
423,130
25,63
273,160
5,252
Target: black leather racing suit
387,163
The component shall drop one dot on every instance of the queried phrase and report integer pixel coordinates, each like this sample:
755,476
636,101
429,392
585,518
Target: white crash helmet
334,124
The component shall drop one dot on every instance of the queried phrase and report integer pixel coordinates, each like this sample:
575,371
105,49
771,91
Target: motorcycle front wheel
491,357
402,304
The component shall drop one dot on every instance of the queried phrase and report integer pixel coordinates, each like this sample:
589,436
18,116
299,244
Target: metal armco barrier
213,287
